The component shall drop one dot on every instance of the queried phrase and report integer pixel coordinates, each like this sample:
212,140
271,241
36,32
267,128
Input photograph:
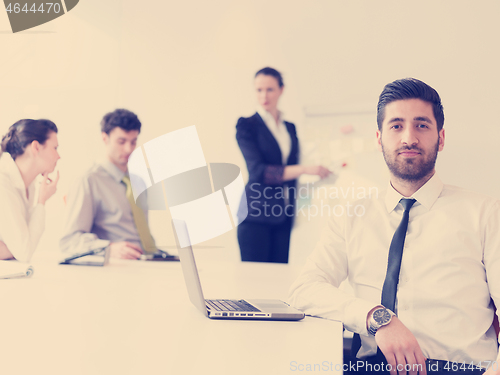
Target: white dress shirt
449,270
98,211
279,131
22,222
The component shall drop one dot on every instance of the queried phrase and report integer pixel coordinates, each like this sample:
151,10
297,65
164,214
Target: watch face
381,316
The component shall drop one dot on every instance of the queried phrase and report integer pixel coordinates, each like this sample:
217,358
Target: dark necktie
395,255
393,266
147,241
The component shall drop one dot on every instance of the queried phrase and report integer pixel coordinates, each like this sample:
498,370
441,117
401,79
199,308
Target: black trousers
265,242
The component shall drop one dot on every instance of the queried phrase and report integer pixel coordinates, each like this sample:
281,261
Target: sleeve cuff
355,315
99,244
273,174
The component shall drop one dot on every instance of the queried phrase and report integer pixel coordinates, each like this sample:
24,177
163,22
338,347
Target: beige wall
191,63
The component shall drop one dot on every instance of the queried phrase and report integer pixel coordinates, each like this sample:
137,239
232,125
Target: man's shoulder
357,204
368,196
96,171
465,195
92,175
469,201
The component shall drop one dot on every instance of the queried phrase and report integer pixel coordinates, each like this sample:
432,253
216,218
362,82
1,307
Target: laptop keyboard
229,305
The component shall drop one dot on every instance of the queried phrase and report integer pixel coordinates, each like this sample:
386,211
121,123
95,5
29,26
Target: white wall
191,63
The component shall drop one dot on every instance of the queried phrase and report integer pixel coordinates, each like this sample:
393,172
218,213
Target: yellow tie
148,243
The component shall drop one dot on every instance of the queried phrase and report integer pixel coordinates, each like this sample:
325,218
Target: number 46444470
42,8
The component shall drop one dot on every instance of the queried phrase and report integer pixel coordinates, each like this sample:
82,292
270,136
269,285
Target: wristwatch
379,318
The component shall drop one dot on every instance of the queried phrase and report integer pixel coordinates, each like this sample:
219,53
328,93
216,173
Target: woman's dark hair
23,132
273,73
120,118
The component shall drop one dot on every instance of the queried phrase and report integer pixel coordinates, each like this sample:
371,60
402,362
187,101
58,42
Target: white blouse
21,221
279,131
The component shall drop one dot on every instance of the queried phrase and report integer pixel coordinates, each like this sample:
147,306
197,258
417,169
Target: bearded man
423,261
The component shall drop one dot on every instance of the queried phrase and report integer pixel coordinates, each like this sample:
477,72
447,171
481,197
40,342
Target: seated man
100,207
423,259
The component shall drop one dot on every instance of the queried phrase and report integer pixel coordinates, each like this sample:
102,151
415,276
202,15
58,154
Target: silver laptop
224,308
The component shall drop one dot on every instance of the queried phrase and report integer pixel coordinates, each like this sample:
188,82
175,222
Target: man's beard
411,169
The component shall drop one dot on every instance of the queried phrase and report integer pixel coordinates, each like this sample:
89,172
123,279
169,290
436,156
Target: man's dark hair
410,88
121,118
273,73
23,132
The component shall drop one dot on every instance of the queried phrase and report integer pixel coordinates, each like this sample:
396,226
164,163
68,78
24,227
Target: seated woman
27,150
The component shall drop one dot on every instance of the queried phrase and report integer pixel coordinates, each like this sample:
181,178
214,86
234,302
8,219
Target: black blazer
265,188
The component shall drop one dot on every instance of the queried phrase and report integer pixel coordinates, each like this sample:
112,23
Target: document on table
12,269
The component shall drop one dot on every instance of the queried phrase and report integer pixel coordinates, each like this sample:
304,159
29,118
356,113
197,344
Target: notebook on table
12,269
257,309
100,257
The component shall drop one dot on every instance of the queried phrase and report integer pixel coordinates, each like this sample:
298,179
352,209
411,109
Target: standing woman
27,150
271,151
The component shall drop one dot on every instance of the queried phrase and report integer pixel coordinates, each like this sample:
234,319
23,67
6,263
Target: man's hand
4,252
125,250
400,348
492,372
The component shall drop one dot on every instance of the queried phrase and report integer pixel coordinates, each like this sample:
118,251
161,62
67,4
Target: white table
135,318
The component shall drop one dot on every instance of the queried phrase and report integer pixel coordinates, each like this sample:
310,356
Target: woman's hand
292,172
317,170
47,188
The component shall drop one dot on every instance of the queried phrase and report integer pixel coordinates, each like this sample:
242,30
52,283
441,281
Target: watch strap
373,326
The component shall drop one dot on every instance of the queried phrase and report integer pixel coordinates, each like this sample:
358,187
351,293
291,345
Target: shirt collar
267,117
9,165
426,195
113,170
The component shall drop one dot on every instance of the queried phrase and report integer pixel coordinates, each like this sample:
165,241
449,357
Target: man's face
409,139
119,145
